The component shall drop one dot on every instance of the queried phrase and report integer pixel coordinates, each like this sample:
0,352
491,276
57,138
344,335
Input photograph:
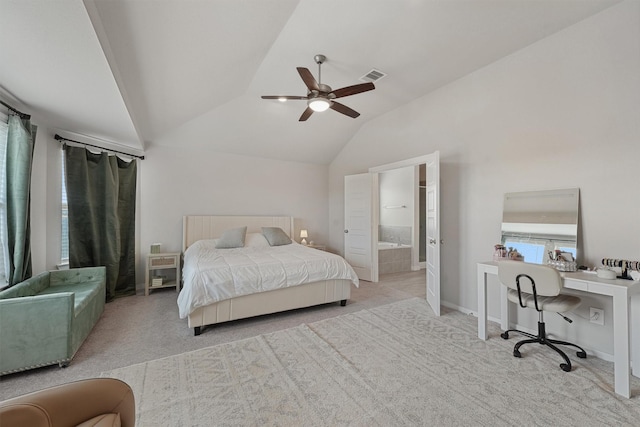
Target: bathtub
393,257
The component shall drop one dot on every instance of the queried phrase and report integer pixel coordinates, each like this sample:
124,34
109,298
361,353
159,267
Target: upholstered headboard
198,227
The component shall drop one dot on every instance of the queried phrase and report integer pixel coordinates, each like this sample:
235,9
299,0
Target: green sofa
45,319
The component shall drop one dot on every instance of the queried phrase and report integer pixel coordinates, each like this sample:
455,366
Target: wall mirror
537,223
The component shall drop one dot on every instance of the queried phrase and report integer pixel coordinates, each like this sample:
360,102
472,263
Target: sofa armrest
74,403
35,331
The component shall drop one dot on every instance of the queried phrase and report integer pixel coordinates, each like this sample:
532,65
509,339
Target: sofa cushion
83,292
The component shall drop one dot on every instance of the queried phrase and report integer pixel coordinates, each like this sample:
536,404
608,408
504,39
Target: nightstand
319,247
163,271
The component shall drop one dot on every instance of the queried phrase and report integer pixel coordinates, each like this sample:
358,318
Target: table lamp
303,235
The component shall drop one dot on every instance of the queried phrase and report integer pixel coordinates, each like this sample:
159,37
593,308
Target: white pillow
233,238
255,240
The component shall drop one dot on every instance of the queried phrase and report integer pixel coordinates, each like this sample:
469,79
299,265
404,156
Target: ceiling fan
320,97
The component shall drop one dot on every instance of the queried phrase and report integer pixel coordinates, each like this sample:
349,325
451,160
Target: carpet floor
396,364
140,328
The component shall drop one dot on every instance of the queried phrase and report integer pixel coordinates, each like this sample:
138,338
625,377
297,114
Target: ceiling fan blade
341,108
283,97
306,114
352,90
308,78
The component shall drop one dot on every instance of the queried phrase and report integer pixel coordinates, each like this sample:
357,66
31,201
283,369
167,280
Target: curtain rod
60,138
18,112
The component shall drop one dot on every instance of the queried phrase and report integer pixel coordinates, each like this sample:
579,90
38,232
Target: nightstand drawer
162,261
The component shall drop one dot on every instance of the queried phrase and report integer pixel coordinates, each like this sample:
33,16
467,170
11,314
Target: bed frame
198,227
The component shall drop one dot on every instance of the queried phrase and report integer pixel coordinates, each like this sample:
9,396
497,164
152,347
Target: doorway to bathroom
425,224
402,209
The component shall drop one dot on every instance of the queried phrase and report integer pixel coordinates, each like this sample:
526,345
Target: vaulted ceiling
190,73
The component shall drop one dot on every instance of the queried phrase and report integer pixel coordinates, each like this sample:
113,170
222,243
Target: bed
211,293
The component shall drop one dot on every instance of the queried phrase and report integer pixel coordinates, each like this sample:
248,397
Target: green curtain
101,196
21,136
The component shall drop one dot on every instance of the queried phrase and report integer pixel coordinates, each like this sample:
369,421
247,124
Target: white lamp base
303,241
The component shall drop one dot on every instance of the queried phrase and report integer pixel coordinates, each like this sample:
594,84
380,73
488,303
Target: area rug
393,365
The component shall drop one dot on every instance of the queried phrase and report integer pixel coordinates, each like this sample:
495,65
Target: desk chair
537,286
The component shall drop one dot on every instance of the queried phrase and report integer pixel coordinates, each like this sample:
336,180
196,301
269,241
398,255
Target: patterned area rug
396,364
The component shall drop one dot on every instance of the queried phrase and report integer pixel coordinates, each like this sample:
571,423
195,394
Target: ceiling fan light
319,104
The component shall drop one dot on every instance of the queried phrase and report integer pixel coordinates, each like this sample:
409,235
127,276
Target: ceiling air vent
373,76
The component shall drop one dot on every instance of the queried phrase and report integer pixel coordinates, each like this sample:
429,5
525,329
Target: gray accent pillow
233,238
275,236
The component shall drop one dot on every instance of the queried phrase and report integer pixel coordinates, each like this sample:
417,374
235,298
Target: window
4,249
531,252
536,250
64,249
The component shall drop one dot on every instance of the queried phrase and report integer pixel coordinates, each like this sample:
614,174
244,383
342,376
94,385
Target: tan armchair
95,402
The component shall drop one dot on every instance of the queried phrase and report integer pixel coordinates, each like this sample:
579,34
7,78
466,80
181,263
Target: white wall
397,188
177,182
563,112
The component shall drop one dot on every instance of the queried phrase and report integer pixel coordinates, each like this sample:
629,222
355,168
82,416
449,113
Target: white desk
620,290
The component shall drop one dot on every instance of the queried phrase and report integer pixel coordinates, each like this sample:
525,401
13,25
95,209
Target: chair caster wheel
565,367
581,354
505,335
516,353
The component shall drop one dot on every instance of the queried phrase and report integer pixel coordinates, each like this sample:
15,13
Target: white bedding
211,275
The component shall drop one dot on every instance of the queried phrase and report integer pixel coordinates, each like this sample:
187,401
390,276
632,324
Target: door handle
432,241
346,231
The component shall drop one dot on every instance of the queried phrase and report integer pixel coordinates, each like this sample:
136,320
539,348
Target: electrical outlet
596,315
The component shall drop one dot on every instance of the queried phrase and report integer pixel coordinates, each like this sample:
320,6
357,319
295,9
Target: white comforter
212,275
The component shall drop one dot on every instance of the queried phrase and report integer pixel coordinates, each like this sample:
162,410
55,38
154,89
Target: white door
357,224
433,231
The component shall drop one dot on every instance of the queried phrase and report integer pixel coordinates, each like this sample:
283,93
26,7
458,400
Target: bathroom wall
397,205
395,233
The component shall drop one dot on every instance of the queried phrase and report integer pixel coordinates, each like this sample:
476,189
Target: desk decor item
624,266
562,261
499,252
155,248
514,255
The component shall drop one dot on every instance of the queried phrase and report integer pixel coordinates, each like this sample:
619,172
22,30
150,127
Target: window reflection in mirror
537,223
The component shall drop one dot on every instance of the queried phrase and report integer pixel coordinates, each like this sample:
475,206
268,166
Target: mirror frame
548,218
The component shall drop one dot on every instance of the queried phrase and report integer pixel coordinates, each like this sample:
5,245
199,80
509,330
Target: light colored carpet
137,329
395,364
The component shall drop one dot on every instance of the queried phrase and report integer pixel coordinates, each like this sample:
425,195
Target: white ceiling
189,73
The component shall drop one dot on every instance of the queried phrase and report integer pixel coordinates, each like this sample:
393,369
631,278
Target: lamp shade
303,233
319,104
